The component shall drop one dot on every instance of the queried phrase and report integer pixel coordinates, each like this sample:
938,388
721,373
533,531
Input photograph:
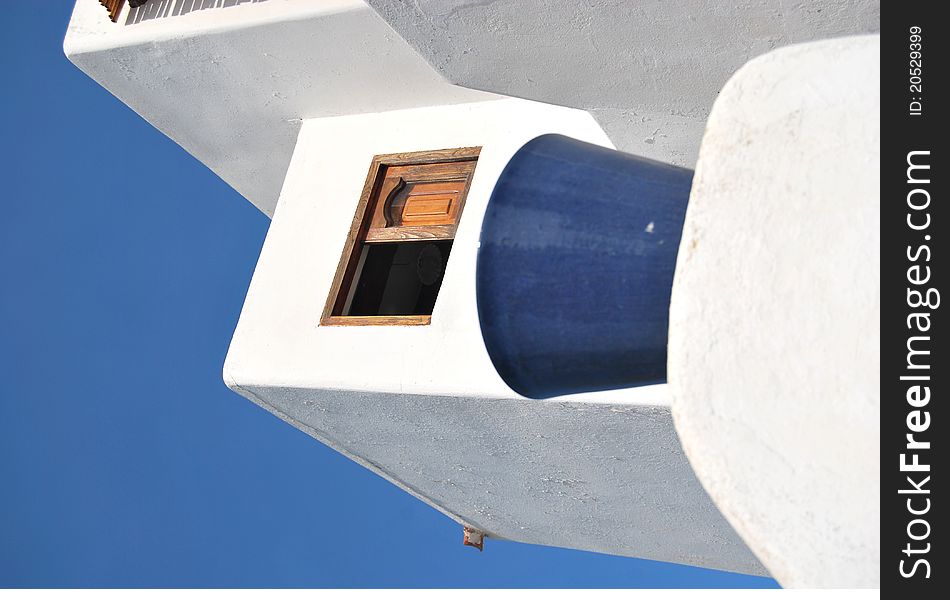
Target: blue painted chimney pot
575,267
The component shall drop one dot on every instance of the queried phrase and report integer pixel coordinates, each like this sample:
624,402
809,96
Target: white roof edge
90,30
232,84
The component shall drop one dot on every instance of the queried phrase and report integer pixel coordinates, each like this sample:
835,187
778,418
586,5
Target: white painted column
774,325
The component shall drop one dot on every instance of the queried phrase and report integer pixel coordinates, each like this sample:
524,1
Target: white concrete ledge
774,350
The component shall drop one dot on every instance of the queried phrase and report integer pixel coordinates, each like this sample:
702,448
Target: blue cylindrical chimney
575,267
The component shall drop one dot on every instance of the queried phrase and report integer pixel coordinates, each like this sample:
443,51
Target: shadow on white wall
158,9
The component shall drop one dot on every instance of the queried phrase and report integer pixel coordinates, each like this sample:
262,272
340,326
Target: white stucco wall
605,472
278,340
774,350
231,85
647,70
422,406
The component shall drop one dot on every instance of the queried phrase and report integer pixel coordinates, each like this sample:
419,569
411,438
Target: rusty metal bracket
474,538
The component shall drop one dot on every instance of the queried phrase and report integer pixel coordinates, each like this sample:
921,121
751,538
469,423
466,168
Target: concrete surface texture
231,84
774,369
599,477
648,71
290,99
423,406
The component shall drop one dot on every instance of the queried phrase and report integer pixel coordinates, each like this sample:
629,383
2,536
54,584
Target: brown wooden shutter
400,239
114,7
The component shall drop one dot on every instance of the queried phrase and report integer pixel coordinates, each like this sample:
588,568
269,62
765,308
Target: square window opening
395,256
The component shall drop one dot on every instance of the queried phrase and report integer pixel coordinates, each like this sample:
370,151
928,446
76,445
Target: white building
289,101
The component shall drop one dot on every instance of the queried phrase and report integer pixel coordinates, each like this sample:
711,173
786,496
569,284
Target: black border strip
912,277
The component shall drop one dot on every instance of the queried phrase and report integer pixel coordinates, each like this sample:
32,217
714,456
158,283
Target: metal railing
115,7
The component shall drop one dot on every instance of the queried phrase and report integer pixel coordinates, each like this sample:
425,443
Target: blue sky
124,460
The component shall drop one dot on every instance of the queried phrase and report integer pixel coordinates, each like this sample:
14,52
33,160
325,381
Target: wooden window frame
349,259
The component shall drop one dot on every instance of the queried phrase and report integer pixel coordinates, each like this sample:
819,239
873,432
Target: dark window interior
399,278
